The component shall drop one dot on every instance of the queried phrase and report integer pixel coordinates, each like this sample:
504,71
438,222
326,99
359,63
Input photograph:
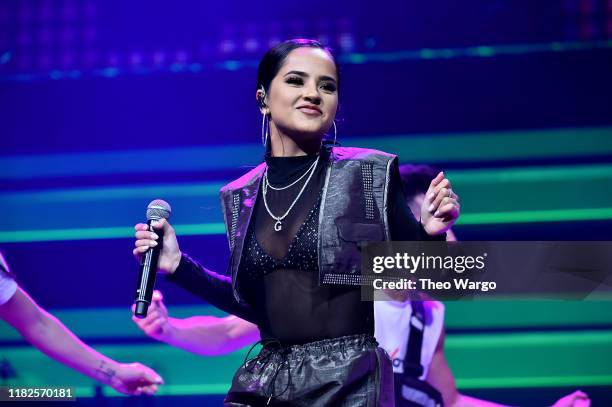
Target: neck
286,146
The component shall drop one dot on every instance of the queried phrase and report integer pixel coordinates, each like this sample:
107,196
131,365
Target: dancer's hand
576,399
156,324
135,379
170,255
440,208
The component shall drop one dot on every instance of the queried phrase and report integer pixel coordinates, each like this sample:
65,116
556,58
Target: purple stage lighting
251,45
181,57
89,9
136,59
113,59
227,46
45,37
273,41
67,60
89,35
67,35
24,61
69,12
346,41
24,38
90,58
45,61
159,58
25,15
45,13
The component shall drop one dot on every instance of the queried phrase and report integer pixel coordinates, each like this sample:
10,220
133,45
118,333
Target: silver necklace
278,225
314,164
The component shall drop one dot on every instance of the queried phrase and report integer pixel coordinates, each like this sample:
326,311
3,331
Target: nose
311,94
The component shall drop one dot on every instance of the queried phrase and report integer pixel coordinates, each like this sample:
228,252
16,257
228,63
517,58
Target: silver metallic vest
353,209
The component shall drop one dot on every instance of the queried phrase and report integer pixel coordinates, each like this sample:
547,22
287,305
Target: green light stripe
583,352
478,315
204,189
183,389
516,340
530,382
20,236
65,234
462,383
416,148
493,146
114,193
200,229
465,383
481,51
563,215
531,174
556,215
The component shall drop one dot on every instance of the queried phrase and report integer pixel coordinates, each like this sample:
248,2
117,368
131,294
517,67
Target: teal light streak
195,67
485,51
481,51
532,174
232,65
524,340
512,179
531,382
562,215
114,193
20,236
56,75
415,148
424,54
109,72
177,67
5,58
556,215
211,189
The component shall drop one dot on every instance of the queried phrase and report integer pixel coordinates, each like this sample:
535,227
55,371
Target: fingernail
154,236
153,243
437,213
430,208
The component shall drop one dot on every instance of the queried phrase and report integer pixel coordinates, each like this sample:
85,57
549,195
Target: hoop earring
335,132
265,129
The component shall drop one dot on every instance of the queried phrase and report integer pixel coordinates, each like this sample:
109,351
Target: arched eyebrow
305,75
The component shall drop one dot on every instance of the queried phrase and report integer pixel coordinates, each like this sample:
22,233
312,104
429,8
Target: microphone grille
158,209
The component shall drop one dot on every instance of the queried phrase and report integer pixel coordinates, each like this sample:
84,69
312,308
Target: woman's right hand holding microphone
170,255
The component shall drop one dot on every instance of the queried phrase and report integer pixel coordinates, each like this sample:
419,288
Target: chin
310,133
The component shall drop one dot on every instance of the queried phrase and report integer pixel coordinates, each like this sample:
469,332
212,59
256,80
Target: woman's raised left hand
440,208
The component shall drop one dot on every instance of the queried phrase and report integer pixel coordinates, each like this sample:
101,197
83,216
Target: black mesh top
278,271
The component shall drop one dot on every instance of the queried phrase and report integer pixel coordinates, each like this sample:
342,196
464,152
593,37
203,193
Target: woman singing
294,224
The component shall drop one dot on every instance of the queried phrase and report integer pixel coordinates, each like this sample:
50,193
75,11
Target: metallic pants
350,371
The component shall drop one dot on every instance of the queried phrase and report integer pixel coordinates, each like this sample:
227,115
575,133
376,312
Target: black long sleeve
210,286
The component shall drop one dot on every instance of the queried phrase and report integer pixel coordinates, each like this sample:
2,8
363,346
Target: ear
260,96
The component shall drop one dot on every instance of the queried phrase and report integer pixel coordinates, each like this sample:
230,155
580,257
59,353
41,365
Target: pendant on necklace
278,226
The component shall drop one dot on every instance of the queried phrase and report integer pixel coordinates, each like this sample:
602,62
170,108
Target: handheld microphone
156,211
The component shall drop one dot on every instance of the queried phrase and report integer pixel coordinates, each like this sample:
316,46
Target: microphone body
156,211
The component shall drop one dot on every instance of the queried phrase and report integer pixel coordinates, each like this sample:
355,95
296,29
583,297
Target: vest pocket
351,235
350,231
